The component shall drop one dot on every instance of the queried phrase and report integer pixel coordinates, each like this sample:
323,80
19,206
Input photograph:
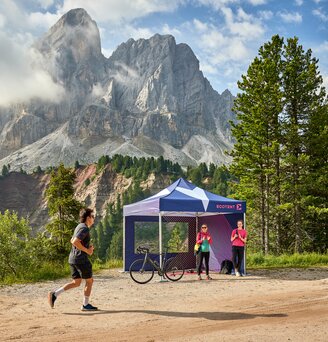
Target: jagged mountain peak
75,17
149,98
74,31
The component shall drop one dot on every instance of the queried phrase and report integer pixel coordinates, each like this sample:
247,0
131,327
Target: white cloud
125,74
42,20
298,2
15,17
97,91
19,19
257,2
45,3
200,26
216,4
325,81
265,15
235,51
130,31
114,11
106,52
242,25
242,15
213,40
322,47
166,29
22,75
320,14
290,17
2,20
208,68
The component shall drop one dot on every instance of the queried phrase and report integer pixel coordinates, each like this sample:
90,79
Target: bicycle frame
159,269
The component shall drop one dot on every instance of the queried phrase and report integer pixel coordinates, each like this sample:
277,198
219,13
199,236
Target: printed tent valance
183,196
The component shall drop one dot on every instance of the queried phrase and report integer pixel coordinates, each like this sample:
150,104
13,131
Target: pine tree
280,154
317,181
63,209
5,170
303,111
256,152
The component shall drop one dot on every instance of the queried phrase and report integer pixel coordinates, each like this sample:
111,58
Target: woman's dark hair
84,214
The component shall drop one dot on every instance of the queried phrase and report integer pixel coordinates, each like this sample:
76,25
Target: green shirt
205,246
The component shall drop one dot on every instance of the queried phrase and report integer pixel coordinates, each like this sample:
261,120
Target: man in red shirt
238,239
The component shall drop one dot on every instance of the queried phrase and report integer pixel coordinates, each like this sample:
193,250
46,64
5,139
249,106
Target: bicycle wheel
141,273
174,269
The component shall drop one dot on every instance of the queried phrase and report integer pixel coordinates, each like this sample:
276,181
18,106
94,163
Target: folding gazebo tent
197,206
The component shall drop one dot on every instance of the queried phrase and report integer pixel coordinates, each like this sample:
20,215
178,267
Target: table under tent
173,217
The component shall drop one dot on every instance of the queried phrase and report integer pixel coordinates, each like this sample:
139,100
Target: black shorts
83,271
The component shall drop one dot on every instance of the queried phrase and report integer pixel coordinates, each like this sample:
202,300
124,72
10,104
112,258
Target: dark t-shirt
77,256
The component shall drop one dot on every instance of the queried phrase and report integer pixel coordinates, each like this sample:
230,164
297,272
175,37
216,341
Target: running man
80,265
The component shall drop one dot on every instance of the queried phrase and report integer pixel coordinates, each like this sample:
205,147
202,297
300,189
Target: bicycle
142,270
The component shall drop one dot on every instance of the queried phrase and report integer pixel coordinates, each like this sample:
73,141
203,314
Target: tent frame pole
162,279
245,245
124,244
160,239
196,223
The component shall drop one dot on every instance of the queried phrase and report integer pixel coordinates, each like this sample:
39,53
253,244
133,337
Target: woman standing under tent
204,239
238,239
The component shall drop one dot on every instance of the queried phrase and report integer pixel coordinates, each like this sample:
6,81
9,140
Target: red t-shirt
242,233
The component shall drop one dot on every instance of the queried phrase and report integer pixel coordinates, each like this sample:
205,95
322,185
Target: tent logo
225,206
238,207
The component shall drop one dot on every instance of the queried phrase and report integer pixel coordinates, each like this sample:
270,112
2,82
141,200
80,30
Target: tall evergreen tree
257,147
63,209
282,114
303,105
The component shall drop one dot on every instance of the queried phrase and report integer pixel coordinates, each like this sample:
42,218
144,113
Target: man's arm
77,243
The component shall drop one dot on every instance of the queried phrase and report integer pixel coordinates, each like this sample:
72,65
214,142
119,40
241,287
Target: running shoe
88,307
51,299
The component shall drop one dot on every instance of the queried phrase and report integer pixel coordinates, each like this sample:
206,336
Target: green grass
109,264
52,271
259,260
48,271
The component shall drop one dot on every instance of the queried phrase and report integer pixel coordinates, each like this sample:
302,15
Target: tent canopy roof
184,197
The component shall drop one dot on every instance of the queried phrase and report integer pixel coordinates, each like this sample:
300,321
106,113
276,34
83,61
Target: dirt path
284,305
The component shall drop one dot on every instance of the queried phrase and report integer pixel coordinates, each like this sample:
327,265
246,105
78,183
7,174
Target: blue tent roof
183,196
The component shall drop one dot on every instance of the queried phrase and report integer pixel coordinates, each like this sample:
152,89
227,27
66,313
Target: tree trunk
267,215
263,230
297,212
278,203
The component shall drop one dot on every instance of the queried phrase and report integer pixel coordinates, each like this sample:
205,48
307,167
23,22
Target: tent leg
245,246
162,279
123,243
195,241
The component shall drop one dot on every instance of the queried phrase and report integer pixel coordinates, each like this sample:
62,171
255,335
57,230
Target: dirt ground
266,305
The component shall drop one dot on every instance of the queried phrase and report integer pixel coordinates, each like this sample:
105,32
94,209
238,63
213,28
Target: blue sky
225,35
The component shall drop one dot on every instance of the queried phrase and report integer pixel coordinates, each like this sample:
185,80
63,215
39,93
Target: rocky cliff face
148,99
25,193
